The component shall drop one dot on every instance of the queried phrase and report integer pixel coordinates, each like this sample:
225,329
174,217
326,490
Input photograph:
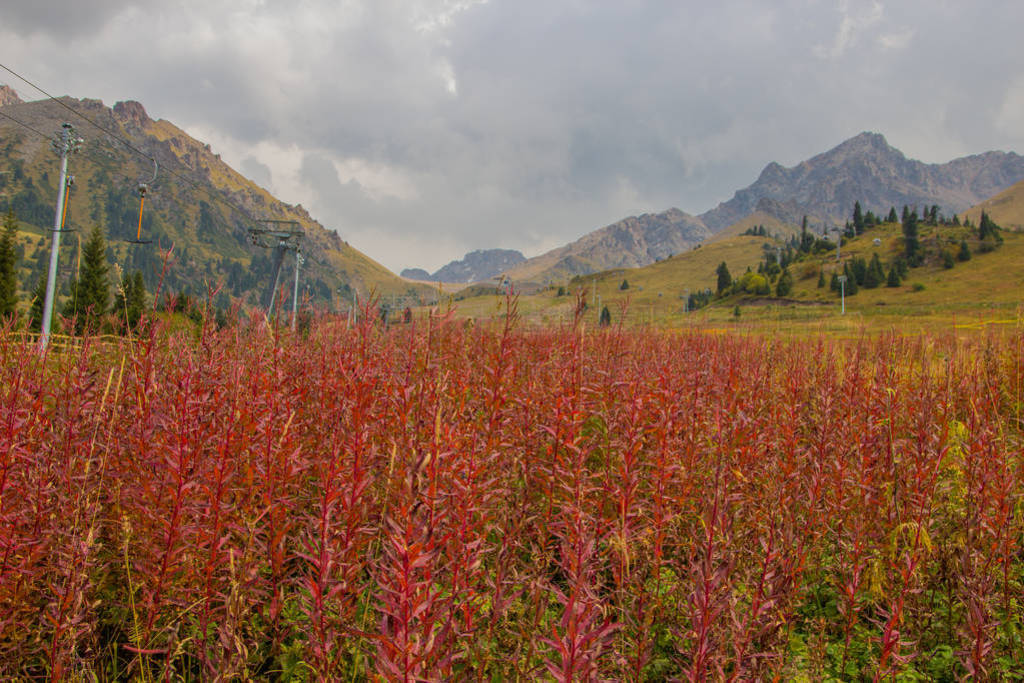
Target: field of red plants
444,501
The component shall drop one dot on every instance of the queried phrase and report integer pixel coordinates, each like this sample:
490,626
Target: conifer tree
35,310
606,317
875,274
785,284
893,280
724,277
90,295
858,219
821,279
892,217
965,251
911,245
988,228
9,267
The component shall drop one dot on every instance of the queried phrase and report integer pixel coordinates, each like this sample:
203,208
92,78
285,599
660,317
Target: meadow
445,500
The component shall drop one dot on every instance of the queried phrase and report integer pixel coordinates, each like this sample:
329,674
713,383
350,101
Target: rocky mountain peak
866,146
866,168
131,112
8,96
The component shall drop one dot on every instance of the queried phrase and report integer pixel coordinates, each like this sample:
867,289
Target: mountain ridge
475,266
824,188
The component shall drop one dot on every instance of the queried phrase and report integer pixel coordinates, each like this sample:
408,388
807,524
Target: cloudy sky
422,129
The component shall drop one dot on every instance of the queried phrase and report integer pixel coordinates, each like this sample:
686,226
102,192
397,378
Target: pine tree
892,217
9,267
821,279
785,284
875,274
724,277
988,228
893,280
625,285
35,310
90,295
606,317
858,219
911,245
965,251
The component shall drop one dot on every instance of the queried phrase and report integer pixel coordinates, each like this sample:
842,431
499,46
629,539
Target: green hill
942,290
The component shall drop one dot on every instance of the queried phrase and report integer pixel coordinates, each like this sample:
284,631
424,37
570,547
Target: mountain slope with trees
196,202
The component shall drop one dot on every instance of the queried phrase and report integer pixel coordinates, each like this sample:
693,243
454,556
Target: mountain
867,169
415,274
482,264
476,266
824,188
195,201
629,243
8,96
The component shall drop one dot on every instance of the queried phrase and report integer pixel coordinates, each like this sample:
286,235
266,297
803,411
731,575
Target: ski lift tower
281,236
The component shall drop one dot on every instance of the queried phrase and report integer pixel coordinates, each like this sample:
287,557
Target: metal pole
295,291
64,149
842,292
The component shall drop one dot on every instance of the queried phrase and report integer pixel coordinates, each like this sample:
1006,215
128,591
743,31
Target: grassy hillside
984,291
1006,208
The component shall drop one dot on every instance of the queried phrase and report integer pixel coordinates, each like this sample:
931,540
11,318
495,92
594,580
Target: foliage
90,292
911,243
130,301
9,267
35,309
754,283
449,502
965,252
724,278
785,284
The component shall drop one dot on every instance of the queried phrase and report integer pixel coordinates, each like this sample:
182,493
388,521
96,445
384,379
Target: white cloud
422,129
854,21
896,41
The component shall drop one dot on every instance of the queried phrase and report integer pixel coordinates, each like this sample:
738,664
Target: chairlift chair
70,182
142,189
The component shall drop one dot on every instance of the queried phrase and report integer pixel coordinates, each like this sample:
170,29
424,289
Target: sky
420,130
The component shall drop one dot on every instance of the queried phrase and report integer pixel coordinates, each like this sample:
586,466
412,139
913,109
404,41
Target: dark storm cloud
59,17
422,129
